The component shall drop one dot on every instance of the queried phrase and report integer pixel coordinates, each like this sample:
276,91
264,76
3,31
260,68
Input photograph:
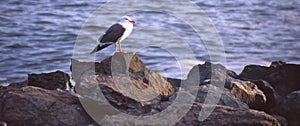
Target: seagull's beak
133,21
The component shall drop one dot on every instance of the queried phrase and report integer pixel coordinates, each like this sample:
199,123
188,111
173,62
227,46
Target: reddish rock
34,106
124,80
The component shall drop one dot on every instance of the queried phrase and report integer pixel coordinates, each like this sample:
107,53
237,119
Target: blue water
39,36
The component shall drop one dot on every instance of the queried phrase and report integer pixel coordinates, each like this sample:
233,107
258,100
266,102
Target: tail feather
99,47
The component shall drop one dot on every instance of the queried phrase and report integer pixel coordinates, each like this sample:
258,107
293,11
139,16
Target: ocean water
40,36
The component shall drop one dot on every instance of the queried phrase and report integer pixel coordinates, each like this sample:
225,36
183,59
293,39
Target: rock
36,106
227,116
175,82
272,96
283,77
122,64
208,71
124,80
281,120
289,108
248,93
244,91
220,116
19,84
226,99
51,81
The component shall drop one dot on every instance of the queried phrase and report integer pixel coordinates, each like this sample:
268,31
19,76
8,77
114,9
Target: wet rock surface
123,83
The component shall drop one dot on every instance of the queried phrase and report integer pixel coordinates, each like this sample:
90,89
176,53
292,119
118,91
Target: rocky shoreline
259,96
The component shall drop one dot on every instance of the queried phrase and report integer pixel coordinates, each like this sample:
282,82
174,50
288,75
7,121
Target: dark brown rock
204,73
281,120
51,81
283,77
272,96
227,116
36,106
289,108
220,116
19,84
175,82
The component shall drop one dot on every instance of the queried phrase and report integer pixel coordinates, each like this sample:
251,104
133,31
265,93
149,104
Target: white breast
129,28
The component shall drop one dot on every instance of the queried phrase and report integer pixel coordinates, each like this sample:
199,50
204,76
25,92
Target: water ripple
38,36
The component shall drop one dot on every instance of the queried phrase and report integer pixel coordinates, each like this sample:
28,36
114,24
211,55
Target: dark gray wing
112,34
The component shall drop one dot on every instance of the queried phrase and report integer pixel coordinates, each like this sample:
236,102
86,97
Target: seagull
116,34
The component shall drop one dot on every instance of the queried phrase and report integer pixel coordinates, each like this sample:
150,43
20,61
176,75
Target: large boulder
207,72
227,116
272,96
219,76
289,108
283,77
36,106
249,93
220,116
125,82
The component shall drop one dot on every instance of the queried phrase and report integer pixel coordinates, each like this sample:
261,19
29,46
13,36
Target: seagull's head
127,19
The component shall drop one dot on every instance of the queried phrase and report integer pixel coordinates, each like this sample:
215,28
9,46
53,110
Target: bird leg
117,46
123,51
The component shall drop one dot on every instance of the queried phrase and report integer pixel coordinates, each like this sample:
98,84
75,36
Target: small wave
17,46
46,14
4,18
43,22
73,5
